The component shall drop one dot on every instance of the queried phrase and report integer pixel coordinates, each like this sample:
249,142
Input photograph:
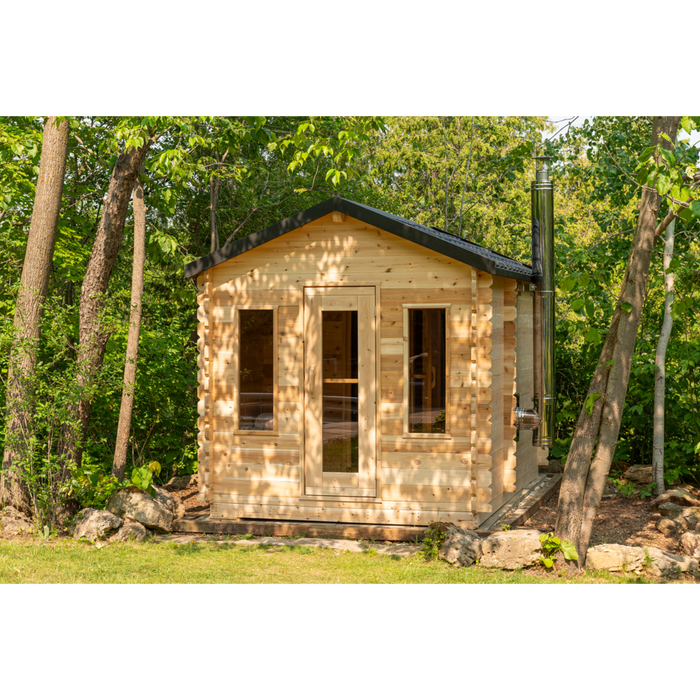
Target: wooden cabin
358,367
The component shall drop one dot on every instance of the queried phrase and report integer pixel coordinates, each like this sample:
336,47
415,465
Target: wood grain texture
262,476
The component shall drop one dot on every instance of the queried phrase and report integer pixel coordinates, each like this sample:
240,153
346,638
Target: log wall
462,478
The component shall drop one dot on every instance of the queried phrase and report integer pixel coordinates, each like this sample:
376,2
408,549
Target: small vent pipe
542,193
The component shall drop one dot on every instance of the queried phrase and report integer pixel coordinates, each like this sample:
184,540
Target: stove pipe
542,193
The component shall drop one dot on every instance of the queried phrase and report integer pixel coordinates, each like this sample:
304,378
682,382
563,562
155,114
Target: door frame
376,285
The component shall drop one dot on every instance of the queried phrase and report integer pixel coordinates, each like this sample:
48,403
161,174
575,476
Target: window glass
257,369
340,446
427,371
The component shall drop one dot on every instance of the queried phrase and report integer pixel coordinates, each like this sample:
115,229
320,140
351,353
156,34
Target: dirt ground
619,520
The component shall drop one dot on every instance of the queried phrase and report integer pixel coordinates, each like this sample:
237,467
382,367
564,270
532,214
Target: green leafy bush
552,545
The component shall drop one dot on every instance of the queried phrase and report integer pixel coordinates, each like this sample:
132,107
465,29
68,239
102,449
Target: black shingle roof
433,238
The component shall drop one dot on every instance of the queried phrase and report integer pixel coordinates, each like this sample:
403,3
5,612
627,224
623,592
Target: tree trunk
660,365
586,472
214,191
93,334
213,201
33,287
132,345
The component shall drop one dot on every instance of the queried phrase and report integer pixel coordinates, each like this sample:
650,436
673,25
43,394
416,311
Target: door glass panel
426,371
257,370
339,368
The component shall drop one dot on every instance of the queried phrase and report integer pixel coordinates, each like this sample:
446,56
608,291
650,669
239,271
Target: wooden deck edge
288,528
522,515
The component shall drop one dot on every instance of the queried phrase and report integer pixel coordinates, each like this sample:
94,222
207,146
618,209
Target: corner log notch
204,405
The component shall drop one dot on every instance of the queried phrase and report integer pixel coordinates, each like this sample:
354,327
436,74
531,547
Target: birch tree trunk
595,437
660,366
33,287
93,335
132,344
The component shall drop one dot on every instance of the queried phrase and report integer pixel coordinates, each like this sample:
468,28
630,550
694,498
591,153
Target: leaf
567,284
549,563
590,309
569,550
577,304
626,307
668,156
590,400
663,184
644,156
695,208
593,336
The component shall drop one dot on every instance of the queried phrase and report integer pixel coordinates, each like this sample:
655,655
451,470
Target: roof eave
368,216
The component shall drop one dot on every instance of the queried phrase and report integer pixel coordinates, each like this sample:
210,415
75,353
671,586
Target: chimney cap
542,174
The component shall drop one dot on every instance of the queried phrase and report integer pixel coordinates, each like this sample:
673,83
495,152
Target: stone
14,522
682,523
554,466
692,515
95,524
670,510
178,483
610,489
681,497
514,549
665,564
140,506
461,547
690,544
130,531
171,502
639,473
667,527
615,557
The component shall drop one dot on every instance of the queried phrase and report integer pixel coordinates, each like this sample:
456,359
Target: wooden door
340,386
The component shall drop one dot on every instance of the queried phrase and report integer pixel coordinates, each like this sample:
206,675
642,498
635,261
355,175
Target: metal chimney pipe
542,193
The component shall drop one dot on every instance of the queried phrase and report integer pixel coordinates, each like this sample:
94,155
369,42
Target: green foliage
433,540
590,400
552,545
142,478
596,215
469,175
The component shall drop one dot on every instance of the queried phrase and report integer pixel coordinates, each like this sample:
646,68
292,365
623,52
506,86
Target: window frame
448,412
237,369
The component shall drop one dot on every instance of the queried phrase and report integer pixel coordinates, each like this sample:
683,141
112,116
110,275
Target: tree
132,347
33,287
183,150
660,365
595,437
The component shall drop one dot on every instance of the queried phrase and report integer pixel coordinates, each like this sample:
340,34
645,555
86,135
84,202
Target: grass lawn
66,561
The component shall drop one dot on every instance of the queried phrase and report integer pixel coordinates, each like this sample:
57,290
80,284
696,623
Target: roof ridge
433,238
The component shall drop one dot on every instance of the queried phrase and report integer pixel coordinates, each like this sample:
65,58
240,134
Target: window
256,370
426,385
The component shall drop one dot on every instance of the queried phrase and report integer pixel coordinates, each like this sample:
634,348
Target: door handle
312,387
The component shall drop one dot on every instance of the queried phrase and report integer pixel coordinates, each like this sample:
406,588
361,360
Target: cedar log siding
461,479
526,456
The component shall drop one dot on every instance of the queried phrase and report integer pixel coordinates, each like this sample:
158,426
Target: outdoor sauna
357,367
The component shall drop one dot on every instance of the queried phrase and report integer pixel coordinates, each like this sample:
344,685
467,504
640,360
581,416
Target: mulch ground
620,520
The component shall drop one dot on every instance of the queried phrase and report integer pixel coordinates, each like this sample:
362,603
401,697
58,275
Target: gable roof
434,239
